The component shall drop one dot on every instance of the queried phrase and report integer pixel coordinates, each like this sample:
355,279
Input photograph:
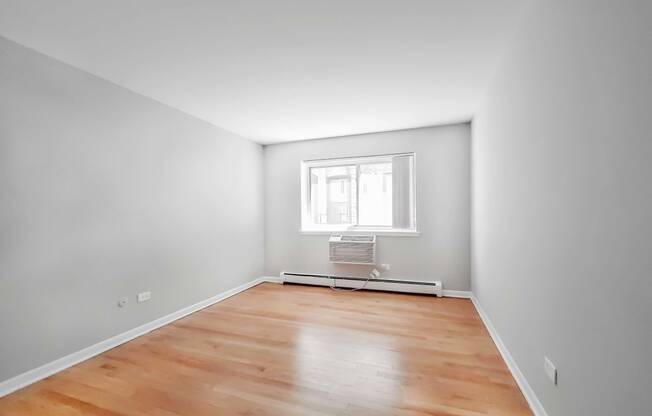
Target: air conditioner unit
352,249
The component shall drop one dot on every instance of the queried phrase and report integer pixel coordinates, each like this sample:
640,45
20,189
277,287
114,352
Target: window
371,193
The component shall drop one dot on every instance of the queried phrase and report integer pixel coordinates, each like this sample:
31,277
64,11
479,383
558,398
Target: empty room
326,208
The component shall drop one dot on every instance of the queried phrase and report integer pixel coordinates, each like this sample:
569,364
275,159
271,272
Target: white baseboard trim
463,294
530,396
272,279
46,370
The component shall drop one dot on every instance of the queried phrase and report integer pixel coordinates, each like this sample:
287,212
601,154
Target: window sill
387,233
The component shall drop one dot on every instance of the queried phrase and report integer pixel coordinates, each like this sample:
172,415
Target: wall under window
441,251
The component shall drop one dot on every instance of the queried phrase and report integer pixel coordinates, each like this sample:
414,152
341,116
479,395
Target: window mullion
357,194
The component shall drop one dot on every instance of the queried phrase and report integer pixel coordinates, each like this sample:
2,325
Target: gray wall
443,194
562,195
105,193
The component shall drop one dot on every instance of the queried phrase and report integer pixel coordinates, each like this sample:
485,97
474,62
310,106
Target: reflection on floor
294,350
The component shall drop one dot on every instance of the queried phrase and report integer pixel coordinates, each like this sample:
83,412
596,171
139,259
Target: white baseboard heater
391,285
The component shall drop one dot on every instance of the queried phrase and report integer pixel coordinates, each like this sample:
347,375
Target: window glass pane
359,193
375,196
333,195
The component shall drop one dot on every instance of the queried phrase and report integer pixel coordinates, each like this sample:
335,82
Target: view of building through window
354,194
333,192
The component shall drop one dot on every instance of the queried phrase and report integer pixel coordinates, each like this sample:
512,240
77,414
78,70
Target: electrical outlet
551,370
144,296
122,302
385,266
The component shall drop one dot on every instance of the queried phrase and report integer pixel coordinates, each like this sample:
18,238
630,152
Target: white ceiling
279,70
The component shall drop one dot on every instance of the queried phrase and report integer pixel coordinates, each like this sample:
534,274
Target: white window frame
310,228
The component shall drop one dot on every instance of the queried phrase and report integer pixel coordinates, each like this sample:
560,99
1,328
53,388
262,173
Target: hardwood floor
294,350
